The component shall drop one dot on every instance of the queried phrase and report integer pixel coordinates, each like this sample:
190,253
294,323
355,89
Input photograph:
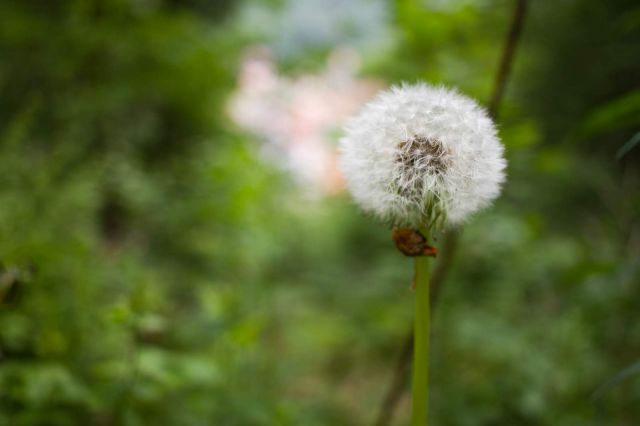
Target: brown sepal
412,243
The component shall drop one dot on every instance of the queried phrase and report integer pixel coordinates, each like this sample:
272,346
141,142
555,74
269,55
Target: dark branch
506,61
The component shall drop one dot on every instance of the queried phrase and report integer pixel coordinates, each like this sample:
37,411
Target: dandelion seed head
418,155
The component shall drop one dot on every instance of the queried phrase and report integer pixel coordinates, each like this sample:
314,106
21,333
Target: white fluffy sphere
422,156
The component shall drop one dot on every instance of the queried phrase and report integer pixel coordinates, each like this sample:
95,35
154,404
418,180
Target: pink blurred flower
298,118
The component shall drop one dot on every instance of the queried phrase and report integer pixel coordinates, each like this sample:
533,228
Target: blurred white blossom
297,118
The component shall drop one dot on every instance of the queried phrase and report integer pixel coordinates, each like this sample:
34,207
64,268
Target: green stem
420,411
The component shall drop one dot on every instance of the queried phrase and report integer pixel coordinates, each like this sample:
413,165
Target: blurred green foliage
154,270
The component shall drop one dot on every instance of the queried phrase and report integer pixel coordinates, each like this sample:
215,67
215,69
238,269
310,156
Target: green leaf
622,112
624,149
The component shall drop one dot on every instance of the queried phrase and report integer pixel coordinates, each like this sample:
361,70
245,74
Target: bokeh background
177,246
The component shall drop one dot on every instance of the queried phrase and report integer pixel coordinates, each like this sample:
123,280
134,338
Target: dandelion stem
421,332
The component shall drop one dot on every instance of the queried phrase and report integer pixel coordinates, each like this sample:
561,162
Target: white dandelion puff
422,156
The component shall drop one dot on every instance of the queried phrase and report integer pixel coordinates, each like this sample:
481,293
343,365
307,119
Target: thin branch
399,379
502,77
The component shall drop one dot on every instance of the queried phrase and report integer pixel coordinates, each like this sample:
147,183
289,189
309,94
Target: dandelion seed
422,156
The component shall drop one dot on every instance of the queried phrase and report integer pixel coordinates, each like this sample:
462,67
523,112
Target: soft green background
154,270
